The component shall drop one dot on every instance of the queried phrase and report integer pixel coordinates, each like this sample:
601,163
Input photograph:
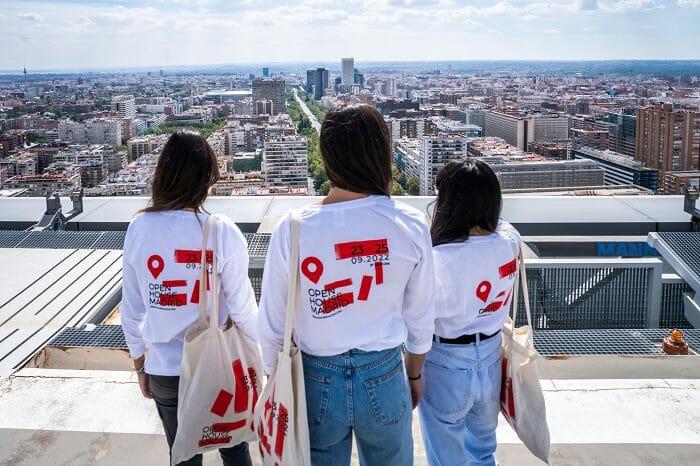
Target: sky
99,34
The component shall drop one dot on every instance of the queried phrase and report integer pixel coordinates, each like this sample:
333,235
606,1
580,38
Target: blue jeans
460,405
362,392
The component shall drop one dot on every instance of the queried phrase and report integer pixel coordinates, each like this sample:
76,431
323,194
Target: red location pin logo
483,290
312,268
155,265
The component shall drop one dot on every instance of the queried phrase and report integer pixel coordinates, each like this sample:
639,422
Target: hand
143,385
416,391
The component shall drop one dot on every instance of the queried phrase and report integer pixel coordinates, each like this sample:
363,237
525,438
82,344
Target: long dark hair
468,196
356,150
186,169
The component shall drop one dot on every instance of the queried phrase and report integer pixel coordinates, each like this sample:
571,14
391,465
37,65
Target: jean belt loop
478,339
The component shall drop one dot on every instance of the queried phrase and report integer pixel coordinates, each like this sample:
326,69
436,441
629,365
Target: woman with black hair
160,295
476,257
366,289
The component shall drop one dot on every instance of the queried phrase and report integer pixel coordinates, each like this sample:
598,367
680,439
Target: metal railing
590,293
672,309
572,294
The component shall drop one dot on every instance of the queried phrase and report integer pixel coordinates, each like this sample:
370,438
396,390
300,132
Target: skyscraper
668,139
271,89
348,71
316,82
359,78
266,72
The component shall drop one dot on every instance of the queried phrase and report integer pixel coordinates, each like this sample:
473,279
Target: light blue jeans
362,392
461,401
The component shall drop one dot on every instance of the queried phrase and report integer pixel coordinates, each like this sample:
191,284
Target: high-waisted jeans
362,392
460,405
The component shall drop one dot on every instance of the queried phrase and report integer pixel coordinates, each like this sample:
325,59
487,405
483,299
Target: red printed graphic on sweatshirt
334,303
483,290
508,269
376,247
494,305
312,268
365,288
335,295
379,272
192,256
155,265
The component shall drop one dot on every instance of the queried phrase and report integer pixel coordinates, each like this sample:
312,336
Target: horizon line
123,68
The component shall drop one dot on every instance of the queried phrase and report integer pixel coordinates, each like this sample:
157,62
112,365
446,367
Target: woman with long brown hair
162,253
366,291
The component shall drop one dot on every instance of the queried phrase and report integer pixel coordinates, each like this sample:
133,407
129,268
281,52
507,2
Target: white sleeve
509,231
273,300
419,299
235,283
133,311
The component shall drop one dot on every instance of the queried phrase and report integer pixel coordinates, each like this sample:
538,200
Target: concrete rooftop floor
83,417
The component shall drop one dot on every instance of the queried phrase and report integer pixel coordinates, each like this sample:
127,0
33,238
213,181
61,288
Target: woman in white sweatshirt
366,289
162,253
476,257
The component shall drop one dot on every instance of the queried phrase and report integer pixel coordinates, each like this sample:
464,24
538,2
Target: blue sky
93,34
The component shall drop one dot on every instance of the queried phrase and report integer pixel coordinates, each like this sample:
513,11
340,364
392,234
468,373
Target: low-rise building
620,169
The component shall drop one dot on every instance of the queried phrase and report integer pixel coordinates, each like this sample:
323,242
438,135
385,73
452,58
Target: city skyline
98,34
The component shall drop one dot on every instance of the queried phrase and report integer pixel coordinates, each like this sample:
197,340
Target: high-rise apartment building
271,89
124,106
348,71
390,87
435,152
668,139
285,162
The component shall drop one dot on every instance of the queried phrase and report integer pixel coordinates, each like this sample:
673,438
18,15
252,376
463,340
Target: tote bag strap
293,287
209,228
522,278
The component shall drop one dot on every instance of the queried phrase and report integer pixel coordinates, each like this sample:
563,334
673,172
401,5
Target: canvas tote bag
522,402
220,374
280,416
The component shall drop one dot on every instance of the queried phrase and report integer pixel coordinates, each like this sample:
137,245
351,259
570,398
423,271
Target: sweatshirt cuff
419,348
136,350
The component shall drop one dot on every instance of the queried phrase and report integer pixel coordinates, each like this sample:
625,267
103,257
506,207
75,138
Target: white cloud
551,31
588,5
688,3
31,17
623,6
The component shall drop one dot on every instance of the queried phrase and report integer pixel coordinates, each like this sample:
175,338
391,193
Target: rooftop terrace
608,276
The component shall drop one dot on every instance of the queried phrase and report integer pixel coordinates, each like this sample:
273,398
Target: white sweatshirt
474,282
162,252
366,280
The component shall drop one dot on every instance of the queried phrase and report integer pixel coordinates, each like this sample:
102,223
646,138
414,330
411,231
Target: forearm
414,364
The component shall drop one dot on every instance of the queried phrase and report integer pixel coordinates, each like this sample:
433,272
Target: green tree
413,185
397,190
325,188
